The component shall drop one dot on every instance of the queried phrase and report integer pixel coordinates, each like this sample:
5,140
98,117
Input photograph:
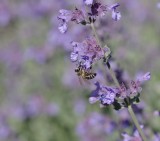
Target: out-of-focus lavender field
41,98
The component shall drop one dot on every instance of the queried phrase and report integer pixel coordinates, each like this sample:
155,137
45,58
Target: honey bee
87,75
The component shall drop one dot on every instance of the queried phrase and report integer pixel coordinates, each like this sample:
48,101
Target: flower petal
113,6
93,100
74,56
116,15
63,27
144,77
65,15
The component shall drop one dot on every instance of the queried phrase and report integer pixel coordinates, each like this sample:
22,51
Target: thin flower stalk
130,110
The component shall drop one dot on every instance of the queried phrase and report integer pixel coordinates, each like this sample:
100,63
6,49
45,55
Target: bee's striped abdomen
90,76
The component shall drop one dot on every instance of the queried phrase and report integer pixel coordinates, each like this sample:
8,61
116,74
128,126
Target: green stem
136,123
118,85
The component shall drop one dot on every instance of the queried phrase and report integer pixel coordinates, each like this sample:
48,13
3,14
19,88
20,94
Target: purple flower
102,9
87,52
77,16
118,96
122,91
88,2
104,94
114,6
107,98
98,9
134,88
116,15
86,61
94,94
63,27
144,77
66,15
74,56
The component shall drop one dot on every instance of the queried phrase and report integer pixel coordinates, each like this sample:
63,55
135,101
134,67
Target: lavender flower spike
66,15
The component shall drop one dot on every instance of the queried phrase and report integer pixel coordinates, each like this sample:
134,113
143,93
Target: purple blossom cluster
88,52
108,95
86,17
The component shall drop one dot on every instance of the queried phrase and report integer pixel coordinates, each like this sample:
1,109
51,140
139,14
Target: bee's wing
80,80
